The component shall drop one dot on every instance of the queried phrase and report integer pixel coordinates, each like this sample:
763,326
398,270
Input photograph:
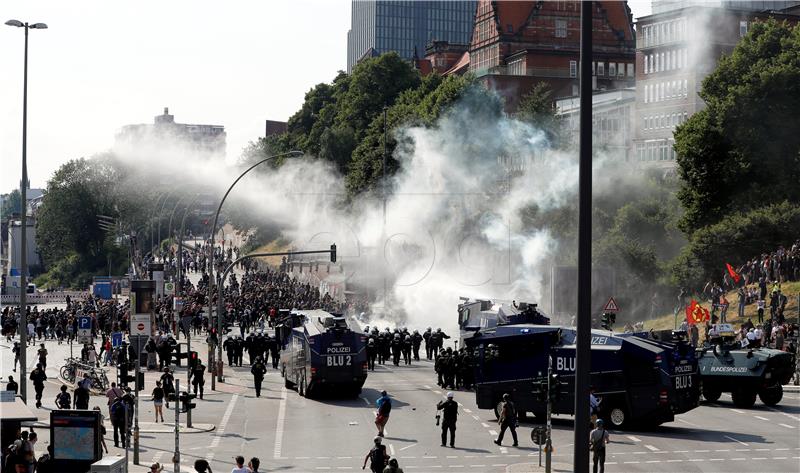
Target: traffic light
124,377
607,320
178,356
333,253
555,388
193,359
186,401
540,390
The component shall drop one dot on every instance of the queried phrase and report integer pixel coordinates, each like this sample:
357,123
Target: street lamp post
213,232
23,245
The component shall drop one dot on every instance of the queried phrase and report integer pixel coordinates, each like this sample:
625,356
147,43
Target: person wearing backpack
118,421
63,399
377,457
81,397
384,404
598,439
507,420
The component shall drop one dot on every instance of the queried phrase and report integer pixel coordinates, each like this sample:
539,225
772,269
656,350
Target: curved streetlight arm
221,286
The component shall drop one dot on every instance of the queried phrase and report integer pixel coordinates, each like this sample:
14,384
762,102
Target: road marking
688,423
759,458
485,425
724,450
738,411
426,386
784,413
631,463
366,400
391,449
407,446
437,391
737,441
737,459
761,418
492,432
651,448
220,431
702,451
503,450
279,426
635,439
476,417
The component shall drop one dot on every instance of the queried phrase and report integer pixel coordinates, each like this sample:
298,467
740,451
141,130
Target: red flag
696,314
733,273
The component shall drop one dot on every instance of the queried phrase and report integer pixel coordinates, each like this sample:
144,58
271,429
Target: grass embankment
790,289
275,246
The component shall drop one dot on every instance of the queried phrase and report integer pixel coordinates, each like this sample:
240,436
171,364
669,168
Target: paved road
292,433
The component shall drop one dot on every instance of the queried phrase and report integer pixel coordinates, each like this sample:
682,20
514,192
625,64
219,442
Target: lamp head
15,23
38,26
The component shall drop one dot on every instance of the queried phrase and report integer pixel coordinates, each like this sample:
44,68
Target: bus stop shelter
12,415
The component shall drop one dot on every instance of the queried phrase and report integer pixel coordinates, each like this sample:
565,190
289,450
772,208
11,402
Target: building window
630,69
573,68
742,28
645,64
612,69
561,28
601,69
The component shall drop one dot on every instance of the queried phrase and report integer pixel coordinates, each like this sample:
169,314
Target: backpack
385,408
378,457
64,400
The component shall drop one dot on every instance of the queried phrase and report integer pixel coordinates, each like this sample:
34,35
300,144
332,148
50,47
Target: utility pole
188,374
136,368
176,459
580,459
548,445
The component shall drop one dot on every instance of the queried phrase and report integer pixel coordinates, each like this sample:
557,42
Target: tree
11,204
537,107
743,151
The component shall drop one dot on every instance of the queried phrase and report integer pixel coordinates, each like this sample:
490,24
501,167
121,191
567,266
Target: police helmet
599,422
377,440
416,332
371,341
450,395
397,335
506,397
408,337
438,330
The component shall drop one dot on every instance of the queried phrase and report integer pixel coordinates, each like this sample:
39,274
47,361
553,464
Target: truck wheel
618,416
771,396
288,384
744,397
711,394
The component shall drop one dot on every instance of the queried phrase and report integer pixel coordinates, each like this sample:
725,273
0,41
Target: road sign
84,329
611,306
116,339
140,324
539,434
169,288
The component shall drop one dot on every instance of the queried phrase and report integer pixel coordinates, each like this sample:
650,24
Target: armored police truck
320,352
641,382
481,314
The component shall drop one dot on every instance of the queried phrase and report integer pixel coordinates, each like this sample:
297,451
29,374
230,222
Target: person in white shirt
751,338
240,468
759,336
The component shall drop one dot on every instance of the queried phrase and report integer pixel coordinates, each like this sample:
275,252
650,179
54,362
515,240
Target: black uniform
416,340
397,348
198,378
38,377
407,347
372,353
449,410
258,370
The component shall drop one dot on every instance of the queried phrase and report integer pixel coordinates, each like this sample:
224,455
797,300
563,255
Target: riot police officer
426,337
198,377
407,346
259,369
372,353
397,348
230,349
416,340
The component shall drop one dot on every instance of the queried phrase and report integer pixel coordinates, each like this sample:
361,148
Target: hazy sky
102,65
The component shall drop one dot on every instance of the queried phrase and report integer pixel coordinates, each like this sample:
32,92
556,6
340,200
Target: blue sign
84,323
116,339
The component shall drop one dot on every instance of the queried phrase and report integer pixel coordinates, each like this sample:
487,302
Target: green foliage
11,204
743,150
537,107
734,239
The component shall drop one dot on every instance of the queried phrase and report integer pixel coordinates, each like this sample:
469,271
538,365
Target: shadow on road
472,450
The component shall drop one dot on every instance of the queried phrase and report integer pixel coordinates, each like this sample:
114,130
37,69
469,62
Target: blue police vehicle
641,381
481,314
319,352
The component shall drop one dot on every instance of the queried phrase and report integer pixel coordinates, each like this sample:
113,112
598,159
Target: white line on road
651,448
738,411
366,400
467,411
391,449
635,439
761,418
407,446
493,432
220,431
426,386
485,425
279,426
737,441
688,423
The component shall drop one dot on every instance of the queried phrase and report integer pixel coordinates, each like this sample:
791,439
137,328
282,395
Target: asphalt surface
291,433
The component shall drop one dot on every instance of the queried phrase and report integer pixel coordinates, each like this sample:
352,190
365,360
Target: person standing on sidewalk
449,410
598,438
158,401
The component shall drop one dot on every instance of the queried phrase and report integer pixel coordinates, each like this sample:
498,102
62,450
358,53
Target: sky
102,65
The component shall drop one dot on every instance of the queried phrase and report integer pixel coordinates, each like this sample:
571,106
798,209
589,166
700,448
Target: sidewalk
791,388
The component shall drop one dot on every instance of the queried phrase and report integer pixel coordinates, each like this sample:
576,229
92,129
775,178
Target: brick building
516,45
677,47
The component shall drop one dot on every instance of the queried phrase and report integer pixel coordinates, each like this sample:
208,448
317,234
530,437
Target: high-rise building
676,48
379,26
205,140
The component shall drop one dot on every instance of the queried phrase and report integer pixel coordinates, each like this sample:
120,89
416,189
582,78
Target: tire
711,394
744,397
288,384
617,416
65,370
771,396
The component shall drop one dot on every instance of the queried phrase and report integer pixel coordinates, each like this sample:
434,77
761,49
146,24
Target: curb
791,388
148,427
